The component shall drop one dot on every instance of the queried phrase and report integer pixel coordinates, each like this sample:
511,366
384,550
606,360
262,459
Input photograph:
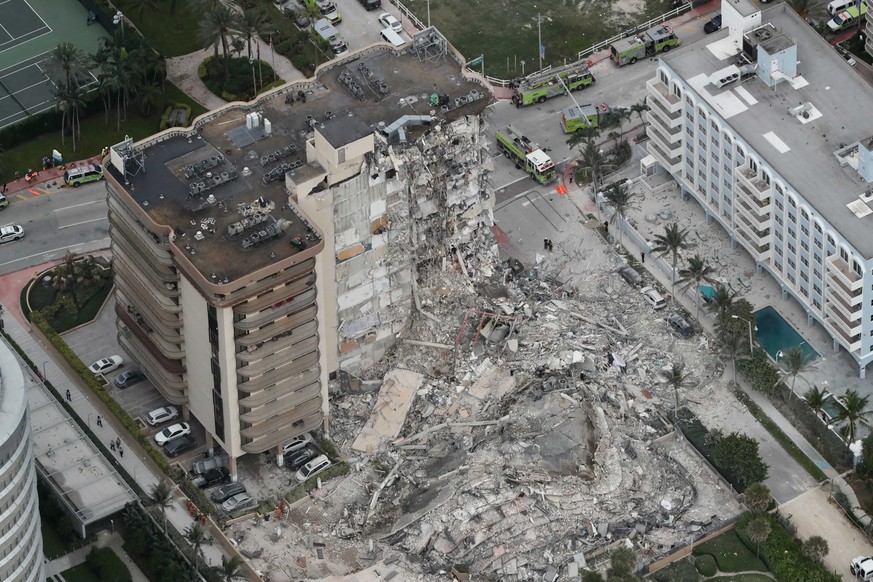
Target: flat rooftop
202,185
840,107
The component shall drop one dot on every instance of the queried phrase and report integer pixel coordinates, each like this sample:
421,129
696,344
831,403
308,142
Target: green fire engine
579,117
538,87
655,40
526,154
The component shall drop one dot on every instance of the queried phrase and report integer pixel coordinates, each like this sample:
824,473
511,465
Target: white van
835,6
388,35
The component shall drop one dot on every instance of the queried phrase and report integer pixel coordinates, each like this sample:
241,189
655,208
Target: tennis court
26,37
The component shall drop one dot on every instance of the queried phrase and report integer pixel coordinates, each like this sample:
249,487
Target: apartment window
817,304
791,202
663,76
791,263
804,276
779,204
791,232
791,279
779,252
677,91
779,220
817,243
817,227
804,261
690,115
791,248
702,160
804,245
753,165
689,130
766,178
727,167
816,289
817,274
844,254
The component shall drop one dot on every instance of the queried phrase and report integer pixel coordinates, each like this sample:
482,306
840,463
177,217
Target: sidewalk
104,539
584,201
87,407
49,178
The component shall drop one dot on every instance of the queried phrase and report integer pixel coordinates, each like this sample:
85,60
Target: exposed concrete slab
388,415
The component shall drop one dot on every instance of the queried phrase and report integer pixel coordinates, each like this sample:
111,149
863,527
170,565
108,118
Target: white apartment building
21,558
767,128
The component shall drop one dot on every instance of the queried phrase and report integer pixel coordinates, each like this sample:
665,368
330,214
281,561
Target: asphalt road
55,220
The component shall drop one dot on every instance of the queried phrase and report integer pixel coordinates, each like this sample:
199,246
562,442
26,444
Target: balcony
662,95
838,302
751,211
278,328
848,331
662,116
285,419
755,186
257,441
293,272
293,288
168,346
278,358
292,373
173,365
269,394
843,274
269,347
759,251
285,403
672,163
170,384
672,148
282,308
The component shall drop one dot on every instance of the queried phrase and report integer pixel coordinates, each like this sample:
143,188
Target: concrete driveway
813,513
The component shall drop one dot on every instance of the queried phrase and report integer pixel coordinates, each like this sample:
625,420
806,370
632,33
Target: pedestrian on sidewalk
112,446
571,178
5,188
545,244
99,421
643,257
118,442
120,452
69,396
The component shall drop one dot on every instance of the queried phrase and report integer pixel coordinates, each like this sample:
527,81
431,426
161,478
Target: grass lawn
80,573
681,571
863,489
52,544
731,554
506,31
96,134
170,35
44,295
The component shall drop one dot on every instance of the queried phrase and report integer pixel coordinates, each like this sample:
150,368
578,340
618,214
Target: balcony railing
664,116
838,302
843,274
661,93
672,163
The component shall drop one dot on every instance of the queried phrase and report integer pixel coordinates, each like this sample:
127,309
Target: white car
11,232
313,468
653,298
162,415
238,501
298,443
106,365
171,432
388,21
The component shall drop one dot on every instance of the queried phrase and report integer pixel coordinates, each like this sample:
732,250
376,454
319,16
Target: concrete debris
518,423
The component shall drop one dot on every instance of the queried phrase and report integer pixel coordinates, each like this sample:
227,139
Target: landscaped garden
71,293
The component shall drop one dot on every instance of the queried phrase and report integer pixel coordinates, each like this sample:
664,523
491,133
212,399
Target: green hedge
299,492
833,448
759,372
165,118
782,553
107,565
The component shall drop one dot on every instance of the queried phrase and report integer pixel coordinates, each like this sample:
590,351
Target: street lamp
118,20
254,81
750,328
779,354
44,377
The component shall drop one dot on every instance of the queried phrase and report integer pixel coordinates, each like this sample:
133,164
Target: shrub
783,554
706,565
759,372
299,492
107,565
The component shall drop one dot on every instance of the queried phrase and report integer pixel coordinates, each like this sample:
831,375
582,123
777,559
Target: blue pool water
707,292
775,334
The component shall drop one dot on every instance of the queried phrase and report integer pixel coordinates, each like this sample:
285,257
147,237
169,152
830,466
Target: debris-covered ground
518,424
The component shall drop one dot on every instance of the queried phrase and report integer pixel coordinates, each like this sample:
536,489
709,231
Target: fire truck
579,117
538,87
655,40
526,154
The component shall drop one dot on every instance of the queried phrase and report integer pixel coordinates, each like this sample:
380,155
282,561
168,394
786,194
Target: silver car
238,501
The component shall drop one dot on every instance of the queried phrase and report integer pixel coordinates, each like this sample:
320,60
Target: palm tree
66,61
150,6
734,347
70,99
593,164
621,198
792,365
196,536
757,497
216,26
677,377
150,95
816,548
853,411
639,109
230,569
162,496
807,9
815,398
672,241
758,531
253,22
721,302
696,273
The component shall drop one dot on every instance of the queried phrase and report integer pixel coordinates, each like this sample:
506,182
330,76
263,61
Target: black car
212,477
681,327
713,24
129,378
179,445
298,459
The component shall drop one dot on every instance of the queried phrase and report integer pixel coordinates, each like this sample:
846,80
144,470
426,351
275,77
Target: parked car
299,442
296,460
298,15
861,566
313,468
681,327
171,432
106,365
371,4
225,492
630,275
213,477
238,501
653,298
11,233
129,378
713,25
200,467
162,415
178,445
389,21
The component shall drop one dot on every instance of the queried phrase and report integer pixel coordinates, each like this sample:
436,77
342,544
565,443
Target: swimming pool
707,292
832,407
775,334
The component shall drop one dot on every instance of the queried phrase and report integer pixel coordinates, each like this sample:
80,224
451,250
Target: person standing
69,396
99,421
112,446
